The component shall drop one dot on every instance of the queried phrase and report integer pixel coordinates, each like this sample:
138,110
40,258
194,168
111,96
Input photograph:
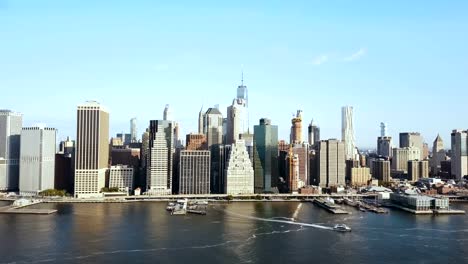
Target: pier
19,207
331,208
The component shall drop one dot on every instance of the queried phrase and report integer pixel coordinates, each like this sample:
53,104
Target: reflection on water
230,233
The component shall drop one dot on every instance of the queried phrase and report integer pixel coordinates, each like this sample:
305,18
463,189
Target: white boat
342,228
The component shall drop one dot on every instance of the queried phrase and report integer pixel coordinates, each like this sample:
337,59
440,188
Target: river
250,232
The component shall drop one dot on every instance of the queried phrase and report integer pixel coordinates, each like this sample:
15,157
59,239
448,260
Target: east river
247,232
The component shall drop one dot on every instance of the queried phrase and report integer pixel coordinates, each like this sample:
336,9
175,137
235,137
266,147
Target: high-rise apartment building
10,133
413,139
438,155
160,157
347,132
194,172
401,156
384,146
459,153
37,159
266,156
239,171
92,149
330,163
417,170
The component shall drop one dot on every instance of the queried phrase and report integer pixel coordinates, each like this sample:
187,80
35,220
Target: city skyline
71,58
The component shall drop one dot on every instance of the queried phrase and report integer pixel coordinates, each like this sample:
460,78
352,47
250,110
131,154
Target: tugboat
342,228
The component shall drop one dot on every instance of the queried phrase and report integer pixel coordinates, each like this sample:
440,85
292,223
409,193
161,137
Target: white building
347,132
239,172
401,156
92,149
37,159
10,131
160,157
121,176
237,120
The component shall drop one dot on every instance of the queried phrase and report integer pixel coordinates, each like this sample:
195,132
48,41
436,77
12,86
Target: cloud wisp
357,55
319,60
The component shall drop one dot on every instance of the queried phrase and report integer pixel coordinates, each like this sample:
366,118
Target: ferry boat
342,228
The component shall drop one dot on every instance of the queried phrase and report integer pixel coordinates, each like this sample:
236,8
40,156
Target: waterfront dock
20,208
331,208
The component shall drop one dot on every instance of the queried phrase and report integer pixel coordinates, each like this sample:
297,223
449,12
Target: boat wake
272,220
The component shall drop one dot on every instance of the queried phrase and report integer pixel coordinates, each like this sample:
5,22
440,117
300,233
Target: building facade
360,176
313,133
266,156
121,176
92,149
194,172
37,159
401,156
347,132
330,164
413,139
213,127
438,155
237,120
384,146
196,142
296,128
381,170
459,153
239,171
160,157
10,134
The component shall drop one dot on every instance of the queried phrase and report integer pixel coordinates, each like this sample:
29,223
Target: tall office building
10,133
330,163
417,170
296,128
381,170
384,146
37,159
459,153
401,156
347,132
194,172
239,171
266,156
413,139
133,130
92,149
237,120
242,92
302,153
160,157
201,122
213,126
438,155
64,166
293,180
313,133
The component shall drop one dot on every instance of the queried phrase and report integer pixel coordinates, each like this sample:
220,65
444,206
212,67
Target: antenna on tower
242,80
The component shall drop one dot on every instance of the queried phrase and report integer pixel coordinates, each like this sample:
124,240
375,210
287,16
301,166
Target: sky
401,62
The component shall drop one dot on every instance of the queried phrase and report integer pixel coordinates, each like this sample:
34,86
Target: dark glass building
266,157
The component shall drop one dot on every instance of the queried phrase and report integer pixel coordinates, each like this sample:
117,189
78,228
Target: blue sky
402,62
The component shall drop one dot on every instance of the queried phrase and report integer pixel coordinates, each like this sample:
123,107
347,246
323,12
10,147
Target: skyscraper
167,114
438,155
381,170
236,120
213,123
347,132
459,153
201,124
384,146
37,159
401,156
383,129
242,92
194,172
313,133
196,142
265,156
330,163
10,134
160,157
239,171
92,149
413,139
296,128
133,130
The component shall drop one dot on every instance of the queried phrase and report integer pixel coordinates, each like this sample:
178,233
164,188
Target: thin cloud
319,60
357,55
